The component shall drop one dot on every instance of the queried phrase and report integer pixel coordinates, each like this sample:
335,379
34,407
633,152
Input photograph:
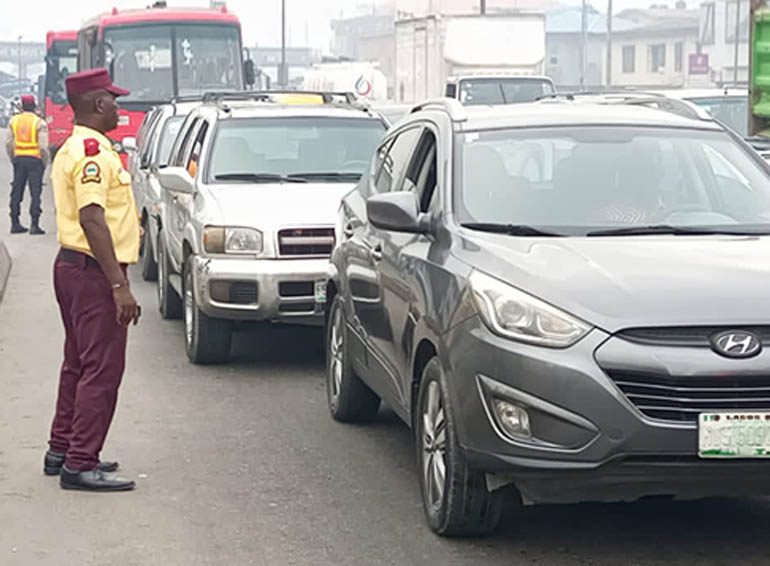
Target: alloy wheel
434,446
189,306
337,351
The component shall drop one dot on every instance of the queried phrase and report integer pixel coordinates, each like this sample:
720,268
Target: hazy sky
260,18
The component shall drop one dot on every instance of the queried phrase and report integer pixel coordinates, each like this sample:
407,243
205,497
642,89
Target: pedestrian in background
27,148
98,229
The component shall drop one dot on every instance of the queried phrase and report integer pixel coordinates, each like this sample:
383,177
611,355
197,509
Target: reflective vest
24,128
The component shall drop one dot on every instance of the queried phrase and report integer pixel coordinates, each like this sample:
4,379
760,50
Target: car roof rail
682,108
451,106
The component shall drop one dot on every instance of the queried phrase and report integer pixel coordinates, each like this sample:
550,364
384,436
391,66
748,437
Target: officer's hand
125,305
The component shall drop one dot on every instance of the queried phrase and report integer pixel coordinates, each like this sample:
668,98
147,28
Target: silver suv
566,298
154,142
248,207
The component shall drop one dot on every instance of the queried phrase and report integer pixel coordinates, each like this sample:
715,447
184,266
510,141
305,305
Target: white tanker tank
364,79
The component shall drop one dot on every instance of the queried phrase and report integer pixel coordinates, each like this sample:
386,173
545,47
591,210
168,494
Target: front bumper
589,442
276,290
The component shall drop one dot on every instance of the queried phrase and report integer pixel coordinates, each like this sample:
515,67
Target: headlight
514,314
218,240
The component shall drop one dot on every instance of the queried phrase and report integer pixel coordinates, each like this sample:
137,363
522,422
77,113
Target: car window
399,155
323,148
145,137
184,148
420,176
167,136
379,158
581,179
197,147
732,111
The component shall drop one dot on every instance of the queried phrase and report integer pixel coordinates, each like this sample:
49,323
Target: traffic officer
27,148
98,229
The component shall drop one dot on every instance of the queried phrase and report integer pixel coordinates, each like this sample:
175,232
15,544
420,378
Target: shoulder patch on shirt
92,173
91,146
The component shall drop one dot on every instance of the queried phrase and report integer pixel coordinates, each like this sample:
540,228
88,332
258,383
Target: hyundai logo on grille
736,344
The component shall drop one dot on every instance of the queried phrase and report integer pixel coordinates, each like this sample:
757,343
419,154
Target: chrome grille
683,398
306,242
687,336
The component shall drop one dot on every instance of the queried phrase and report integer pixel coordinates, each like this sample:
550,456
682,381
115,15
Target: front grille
682,399
687,336
296,289
306,242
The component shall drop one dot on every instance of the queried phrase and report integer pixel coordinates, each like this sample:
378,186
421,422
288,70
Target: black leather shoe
18,229
36,230
93,480
53,462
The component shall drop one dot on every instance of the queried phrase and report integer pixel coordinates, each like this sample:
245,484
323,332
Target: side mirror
397,212
176,179
249,76
129,143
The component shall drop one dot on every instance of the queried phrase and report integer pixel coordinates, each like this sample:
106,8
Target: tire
458,504
350,399
207,340
149,266
169,303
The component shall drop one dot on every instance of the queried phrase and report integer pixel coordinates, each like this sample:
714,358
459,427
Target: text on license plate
320,291
739,434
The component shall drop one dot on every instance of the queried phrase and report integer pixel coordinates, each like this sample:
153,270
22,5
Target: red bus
61,59
160,54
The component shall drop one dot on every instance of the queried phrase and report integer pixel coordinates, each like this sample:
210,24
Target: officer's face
107,106
111,109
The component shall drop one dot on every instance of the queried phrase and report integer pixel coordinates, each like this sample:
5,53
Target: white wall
643,74
722,52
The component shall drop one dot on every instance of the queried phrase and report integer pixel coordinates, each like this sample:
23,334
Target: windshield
204,57
167,137
316,147
577,180
732,111
502,91
61,62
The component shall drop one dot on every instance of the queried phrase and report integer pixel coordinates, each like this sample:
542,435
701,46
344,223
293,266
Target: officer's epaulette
91,146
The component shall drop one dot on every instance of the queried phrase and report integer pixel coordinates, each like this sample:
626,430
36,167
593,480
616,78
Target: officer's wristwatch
120,285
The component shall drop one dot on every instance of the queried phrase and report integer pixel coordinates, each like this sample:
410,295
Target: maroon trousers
94,359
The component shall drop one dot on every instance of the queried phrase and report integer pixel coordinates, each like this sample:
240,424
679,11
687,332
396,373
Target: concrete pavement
241,464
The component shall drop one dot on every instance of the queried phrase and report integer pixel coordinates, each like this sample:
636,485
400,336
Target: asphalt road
241,464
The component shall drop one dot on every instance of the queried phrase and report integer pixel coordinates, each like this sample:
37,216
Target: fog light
513,419
220,291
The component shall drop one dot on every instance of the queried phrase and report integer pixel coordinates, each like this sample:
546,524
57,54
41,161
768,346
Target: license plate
741,434
123,120
320,291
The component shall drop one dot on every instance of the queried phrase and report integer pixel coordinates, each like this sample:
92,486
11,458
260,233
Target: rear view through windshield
576,180
300,147
502,91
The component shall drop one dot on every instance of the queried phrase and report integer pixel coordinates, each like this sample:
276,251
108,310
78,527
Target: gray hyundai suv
565,300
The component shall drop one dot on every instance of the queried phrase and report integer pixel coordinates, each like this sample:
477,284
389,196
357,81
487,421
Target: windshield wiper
327,175
258,178
675,230
510,229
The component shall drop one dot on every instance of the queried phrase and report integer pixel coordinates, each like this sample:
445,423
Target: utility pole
20,59
737,40
609,44
583,46
483,10
283,74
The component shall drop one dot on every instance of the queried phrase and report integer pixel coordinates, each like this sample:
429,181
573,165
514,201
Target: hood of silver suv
273,206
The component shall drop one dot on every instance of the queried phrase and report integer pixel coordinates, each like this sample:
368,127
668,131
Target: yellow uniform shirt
87,171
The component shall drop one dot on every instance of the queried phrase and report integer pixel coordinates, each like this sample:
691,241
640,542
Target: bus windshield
62,60
159,62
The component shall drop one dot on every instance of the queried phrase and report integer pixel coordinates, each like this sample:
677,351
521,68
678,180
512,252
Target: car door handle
376,252
348,230
175,199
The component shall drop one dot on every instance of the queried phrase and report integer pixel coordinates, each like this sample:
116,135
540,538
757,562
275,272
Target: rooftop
550,113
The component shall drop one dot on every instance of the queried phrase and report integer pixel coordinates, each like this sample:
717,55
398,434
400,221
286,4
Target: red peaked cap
92,79
28,99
